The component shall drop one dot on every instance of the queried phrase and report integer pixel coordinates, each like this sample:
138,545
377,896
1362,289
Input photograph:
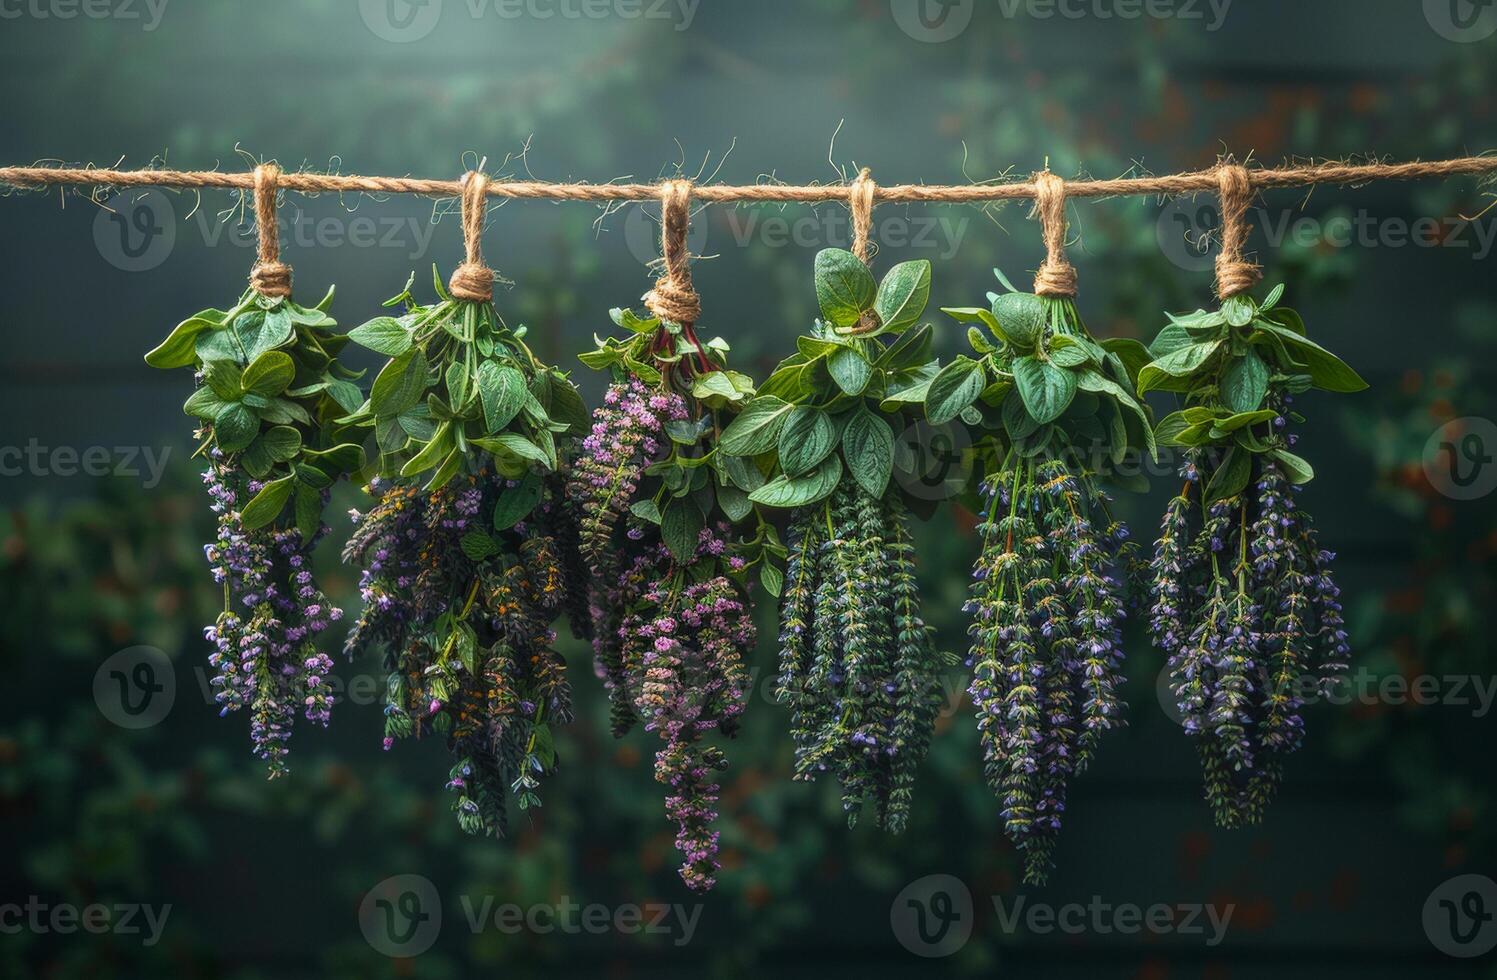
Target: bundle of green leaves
858,667
1053,413
468,552
270,392
664,519
1243,599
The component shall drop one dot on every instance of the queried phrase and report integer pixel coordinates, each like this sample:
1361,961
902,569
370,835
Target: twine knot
674,298
860,204
1234,273
473,280
270,276
1055,276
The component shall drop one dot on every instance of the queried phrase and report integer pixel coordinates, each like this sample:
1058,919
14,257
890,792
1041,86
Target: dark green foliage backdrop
1388,800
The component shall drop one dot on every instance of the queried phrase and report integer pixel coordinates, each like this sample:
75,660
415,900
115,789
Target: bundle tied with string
473,280
1055,276
673,297
270,276
1234,274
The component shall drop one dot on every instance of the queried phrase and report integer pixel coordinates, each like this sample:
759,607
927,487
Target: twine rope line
270,276
860,194
1055,276
473,280
1259,178
1234,273
674,298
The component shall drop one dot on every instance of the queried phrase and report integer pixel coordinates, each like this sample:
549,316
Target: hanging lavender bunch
463,574
858,667
656,506
1047,599
1244,604
268,391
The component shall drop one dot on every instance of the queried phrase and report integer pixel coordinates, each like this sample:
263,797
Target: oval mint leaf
784,491
1046,390
808,436
844,286
757,427
902,295
956,386
1022,317
868,448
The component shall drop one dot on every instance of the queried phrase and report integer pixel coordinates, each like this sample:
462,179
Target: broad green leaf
1296,468
1326,370
235,427
757,427
203,404
478,545
280,442
1022,318
680,526
269,374
1177,364
400,384
844,287
383,334
902,295
1244,382
849,369
515,503
868,449
809,434
179,348
956,386
308,510
502,390
785,492
1046,389
1231,476
267,505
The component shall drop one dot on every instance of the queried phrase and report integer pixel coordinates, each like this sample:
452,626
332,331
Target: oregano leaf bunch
663,521
468,554
1052,412
268,396
1244,603
858,666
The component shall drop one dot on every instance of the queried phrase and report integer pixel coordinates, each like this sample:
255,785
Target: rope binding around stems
860,205
270,276
1234,273
473,280
673,297
1055,276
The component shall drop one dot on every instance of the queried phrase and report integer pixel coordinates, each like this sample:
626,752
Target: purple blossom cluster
463,613
265,658
1046,657
627,433
1246,609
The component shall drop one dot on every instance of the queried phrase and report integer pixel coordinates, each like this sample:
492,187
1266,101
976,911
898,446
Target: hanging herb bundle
858,666
468,553
269,390
1056,412
657,508
1243,599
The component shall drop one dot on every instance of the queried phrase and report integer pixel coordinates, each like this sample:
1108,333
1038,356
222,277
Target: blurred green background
1389,800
